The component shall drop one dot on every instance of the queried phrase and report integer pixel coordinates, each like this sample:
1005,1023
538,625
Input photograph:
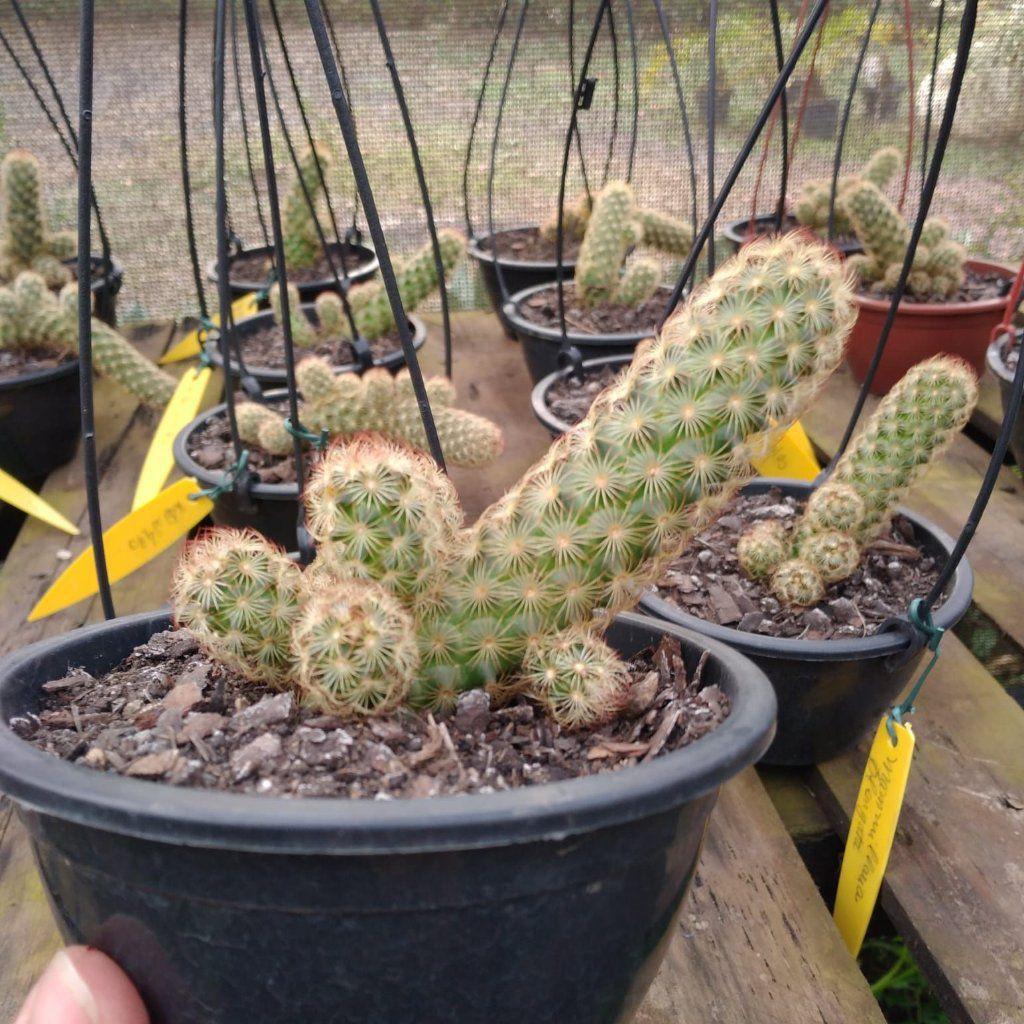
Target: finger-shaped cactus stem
330,312
575,216
417,280
640,281
882,165
355,649
116,357
612,231
303,334
795,582
665,233
577,678
762,549
833,555
240,596
302,246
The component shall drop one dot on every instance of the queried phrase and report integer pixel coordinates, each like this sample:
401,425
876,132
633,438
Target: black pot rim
365,267
212,477
996,363
879,645
538,397
553,334
202,818
40,376
280,376
482,255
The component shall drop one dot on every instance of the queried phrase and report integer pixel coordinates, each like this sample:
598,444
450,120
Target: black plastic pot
517,274
361,262
271,509
546,904
541,344
538,397
997,364
39,430
271,377
104,288
738,232
830,692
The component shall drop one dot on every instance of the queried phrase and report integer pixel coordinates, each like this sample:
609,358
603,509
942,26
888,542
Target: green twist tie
230,479
921,618
300,432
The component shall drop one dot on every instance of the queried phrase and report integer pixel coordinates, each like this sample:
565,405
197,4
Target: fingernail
73,983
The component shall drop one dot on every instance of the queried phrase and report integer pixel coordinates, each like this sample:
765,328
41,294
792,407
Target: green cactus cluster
938,268
812,205
302,246
345,405
27,244
761,549
519,600
912,426
32,318
575,215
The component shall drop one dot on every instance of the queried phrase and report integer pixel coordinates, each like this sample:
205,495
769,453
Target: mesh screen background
441,49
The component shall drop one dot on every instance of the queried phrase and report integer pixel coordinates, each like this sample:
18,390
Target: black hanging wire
837,158
741,158
474,123
343,113
613,38
939,22
92,478
571,51
967,22
712,102
634,58
353,235
243,118
780,206
421,180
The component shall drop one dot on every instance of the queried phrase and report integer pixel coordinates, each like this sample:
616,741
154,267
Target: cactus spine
27,245
302,247
529,586
32,317
346,404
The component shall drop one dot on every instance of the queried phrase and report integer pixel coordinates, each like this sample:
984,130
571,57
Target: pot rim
520,323
538,396
272,374
477,252
367,267
40,376
879,645
943,309
212,477
334,826
996,362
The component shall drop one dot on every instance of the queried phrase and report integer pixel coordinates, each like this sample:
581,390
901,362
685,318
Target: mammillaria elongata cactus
27,245
346,404
910,429
520,598
302,246
33,318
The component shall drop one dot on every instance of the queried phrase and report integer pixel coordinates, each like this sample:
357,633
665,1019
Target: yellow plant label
792,457
191,345
130,543
15,493
872,830
180,410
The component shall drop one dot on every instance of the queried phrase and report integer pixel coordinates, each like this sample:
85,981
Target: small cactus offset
27,245
762,549
417,280
302,246
303,333
518,601
640,281
938,268
33,318
797,583
575,217
346,404
832,555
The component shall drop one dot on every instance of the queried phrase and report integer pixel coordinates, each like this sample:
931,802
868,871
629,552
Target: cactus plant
302,246
575,216
33,318
346,405
938,268
27,245
303,334
795,582
529,587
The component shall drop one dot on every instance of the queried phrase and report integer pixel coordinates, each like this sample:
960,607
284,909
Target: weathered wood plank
955,883
945,494
755,941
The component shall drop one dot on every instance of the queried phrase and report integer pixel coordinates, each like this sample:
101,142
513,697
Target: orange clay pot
923,329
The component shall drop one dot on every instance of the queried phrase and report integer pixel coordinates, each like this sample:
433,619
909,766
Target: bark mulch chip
169,714
264,348
16,363
527,245
570,399
257,267
606,318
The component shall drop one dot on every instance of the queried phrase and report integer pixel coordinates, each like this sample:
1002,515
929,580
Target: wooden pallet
755,940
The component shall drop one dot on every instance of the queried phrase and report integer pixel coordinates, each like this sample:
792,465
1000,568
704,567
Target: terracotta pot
923,329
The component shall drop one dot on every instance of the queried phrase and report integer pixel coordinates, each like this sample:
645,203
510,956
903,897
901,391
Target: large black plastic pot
272,377
538,398
738,232
546,904
830,692
361,262
516,274
271,509
39,429
104,288
541,344
997,364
